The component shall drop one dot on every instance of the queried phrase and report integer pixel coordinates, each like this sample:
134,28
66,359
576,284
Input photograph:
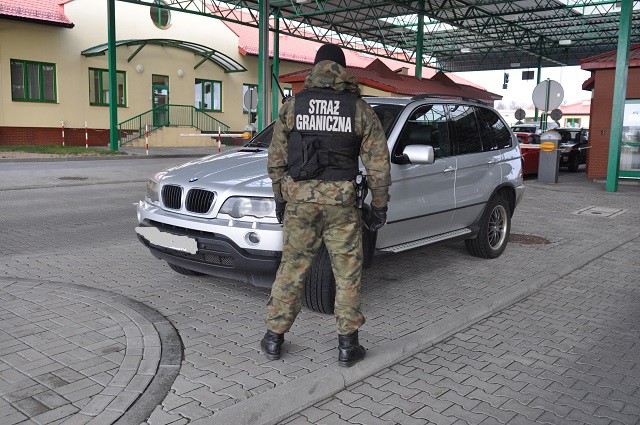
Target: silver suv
456,172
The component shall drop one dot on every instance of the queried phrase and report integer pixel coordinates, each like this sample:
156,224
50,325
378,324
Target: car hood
241,171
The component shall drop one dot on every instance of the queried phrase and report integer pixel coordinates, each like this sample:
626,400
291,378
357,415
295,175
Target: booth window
33,81
99,87
208,95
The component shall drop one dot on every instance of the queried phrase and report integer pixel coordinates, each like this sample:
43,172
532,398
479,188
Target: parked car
573,147
456,173
529,138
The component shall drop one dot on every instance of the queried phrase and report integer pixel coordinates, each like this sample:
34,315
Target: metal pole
546,107
619,96
113,78
275,96
263,64
420,40
535,118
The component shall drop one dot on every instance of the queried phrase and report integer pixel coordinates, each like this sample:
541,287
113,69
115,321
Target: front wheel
320,285
495,226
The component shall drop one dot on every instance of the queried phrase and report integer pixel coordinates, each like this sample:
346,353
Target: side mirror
419,154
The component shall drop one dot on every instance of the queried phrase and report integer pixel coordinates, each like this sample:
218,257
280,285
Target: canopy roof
207,53
496,34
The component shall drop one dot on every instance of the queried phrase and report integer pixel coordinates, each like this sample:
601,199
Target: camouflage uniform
324,211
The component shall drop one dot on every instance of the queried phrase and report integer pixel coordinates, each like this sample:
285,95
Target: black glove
280,206
379,216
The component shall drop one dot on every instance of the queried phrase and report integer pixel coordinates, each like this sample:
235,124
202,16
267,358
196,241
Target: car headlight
238,207
152,188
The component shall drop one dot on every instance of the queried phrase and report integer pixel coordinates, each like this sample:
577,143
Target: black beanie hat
330,52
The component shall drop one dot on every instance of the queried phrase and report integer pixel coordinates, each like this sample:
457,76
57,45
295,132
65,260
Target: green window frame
98,79
33,81
246,87
200,100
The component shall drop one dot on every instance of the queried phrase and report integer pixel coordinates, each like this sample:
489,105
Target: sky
518,91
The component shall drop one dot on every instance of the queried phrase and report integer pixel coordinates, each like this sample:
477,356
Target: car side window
427,125
466,129
497,129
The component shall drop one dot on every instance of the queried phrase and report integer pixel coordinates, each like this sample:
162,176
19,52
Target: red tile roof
50,12
300,50
608,60
379,76
579,108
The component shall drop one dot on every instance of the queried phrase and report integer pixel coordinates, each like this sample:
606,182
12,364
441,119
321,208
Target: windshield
386,113
524,129
569,136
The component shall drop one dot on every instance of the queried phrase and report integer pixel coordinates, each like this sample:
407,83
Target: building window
208,95
33,81
572,122
160,16
287,91
99,87
245,88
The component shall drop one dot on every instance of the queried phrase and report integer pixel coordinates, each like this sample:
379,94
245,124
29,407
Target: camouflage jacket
373,151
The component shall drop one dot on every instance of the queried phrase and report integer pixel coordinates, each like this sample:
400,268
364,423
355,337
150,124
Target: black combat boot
349,350
271,344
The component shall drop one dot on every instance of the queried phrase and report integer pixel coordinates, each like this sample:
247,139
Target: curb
103,158
280,403
171,353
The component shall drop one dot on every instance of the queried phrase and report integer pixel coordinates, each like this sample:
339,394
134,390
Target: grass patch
60,150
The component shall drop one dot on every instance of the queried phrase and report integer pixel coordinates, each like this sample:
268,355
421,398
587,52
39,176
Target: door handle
449,169
492,161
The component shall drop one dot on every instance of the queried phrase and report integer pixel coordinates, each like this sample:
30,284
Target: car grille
172,196
199,200
219,260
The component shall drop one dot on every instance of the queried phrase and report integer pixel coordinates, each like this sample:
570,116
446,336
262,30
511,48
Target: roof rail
454,96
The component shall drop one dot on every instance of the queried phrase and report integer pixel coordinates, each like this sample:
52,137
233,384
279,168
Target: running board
427,241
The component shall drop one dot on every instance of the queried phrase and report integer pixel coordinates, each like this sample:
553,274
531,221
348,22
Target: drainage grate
600,212
527,239
73,178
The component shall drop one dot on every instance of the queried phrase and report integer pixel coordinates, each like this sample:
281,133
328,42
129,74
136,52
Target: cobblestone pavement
67,351
84,235
569,354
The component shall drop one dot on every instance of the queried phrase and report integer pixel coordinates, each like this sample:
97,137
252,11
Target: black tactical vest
323,144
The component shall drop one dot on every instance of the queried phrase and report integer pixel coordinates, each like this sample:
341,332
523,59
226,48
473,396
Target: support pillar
113,75
275,94
619,96
420,41
535,118
263,64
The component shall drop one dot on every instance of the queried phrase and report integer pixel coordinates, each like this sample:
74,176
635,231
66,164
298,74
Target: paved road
83,234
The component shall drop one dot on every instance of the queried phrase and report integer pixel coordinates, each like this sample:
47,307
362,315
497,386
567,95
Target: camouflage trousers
306,226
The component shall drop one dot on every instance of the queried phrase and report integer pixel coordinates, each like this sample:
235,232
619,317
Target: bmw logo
193,179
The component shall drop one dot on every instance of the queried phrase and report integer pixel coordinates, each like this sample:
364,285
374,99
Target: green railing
168,116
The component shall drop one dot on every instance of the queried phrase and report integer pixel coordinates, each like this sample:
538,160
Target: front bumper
219,253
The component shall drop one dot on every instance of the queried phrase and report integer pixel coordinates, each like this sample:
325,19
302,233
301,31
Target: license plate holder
168,240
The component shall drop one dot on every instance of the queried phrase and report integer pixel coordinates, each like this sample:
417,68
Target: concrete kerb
103,158
283,401
171,355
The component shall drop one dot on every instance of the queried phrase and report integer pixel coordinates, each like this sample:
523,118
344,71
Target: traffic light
506,81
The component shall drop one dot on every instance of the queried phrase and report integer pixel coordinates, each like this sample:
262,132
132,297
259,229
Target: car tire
495,226
183,271
320,285
574,163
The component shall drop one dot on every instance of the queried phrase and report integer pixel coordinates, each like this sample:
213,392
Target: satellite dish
250,99
520,114
555,95
556,114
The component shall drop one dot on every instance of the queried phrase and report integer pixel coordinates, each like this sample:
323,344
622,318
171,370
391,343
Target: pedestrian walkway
71,354
567,355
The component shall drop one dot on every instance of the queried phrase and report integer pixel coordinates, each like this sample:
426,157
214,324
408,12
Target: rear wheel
495,226
320,285
183,271
574,163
